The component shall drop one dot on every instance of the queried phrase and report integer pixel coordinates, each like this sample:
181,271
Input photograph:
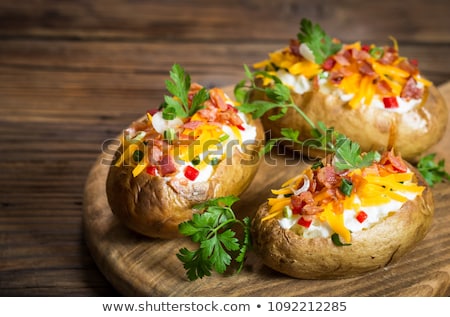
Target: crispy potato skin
318,258
414,131
152,207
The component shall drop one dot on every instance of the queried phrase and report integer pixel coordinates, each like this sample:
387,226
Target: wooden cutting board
140,266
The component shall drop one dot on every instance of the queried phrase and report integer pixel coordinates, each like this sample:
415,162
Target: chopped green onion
323,75
223,137
196,160
376,52
346,187
169,114
214,161
287,212
138,138
169,134
317,165
138,155
337,241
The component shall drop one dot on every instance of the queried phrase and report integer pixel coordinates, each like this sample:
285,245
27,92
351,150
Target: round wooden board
140,266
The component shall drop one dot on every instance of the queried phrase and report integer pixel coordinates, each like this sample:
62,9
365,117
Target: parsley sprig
431,171
278,96
212,230
178,104
321,45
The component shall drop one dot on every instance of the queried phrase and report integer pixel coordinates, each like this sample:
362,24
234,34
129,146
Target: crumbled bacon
411,90
327,177
393,163
408,66
294,47
365,68
167,165
383,88
218,110
389,56
304,204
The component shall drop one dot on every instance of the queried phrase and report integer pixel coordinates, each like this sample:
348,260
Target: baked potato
317,227
369,93
166,163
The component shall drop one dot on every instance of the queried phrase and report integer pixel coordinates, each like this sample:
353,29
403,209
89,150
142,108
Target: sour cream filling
375,214
225,150
300,84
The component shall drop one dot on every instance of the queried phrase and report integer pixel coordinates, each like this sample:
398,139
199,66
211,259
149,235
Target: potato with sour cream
369,93
174,158
328,223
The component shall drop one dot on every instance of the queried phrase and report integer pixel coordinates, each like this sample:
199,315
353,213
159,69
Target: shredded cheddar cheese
373,187
362,71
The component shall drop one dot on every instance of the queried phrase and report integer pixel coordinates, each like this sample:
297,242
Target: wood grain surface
74,73
139,266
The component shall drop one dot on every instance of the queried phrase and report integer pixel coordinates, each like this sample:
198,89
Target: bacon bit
328,177
366,69
155,155
217,96
195,87
167,165
389,56
341,60
294,47
304,204
219,111
193,124
409,66
410,90
393,163
383,87
329,64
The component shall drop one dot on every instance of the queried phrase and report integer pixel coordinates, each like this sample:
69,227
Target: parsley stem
301,113
223,224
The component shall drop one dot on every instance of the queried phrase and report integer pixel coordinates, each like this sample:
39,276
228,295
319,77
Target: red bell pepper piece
191,173
152,170
390,102
361,216
304,223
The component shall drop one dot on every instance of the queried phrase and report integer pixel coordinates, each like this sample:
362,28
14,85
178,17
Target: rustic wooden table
74,73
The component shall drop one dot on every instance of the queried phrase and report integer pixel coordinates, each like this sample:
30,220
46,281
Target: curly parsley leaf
217,242
317,41
431,171
179,85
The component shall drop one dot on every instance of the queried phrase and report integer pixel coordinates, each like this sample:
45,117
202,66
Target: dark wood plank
216,21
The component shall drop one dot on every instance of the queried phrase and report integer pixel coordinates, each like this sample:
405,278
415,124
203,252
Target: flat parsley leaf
431,171
317,41
348,154
213,231
178,105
